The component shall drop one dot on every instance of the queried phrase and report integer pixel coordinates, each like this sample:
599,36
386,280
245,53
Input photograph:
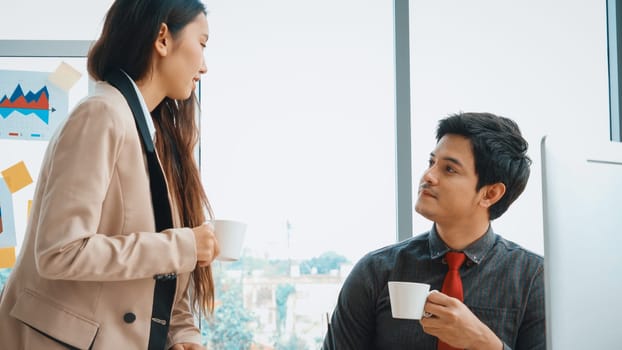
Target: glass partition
298,142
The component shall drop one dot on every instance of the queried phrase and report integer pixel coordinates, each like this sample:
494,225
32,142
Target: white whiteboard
582,209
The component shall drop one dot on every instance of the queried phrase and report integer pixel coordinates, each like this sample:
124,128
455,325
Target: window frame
614,52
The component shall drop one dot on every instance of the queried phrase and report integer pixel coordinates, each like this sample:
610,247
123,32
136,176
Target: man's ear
492,194
163,41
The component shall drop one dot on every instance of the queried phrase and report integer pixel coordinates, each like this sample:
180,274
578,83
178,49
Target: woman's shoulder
107,99
102,113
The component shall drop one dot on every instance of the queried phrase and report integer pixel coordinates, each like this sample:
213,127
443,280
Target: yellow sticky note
65,76
16,177
7,257
28,210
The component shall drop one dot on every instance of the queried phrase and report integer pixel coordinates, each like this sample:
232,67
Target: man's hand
453,323
187,346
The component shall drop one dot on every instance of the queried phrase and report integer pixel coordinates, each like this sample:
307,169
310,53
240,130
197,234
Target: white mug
408,299
230,236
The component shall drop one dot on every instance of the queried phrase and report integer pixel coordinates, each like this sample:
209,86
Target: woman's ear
163,41
492,194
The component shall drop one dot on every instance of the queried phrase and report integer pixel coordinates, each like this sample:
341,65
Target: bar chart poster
31,107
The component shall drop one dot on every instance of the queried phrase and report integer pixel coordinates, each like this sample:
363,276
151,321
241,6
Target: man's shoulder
512,248
380,263
413,245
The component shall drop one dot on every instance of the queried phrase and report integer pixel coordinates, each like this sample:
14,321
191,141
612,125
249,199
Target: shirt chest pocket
503,322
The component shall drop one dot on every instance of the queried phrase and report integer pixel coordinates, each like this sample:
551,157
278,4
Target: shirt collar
476,251
143,105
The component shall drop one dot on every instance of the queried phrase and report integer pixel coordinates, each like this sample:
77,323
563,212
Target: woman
96,261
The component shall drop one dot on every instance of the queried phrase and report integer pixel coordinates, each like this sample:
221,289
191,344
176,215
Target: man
477,169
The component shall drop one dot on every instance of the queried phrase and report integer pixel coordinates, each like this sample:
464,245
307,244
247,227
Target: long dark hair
130,29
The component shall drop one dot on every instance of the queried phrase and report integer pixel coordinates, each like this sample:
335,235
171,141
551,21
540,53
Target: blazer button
129,317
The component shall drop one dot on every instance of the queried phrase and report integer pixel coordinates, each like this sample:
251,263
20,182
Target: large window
298,142
543,64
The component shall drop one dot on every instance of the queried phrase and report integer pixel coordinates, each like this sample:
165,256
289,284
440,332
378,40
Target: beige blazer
84,276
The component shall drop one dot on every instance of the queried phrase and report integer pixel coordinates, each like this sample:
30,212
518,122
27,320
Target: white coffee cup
407,299
230,236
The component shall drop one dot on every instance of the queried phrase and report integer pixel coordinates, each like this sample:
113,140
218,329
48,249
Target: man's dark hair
499,149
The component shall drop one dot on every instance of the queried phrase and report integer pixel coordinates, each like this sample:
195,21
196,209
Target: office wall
52,20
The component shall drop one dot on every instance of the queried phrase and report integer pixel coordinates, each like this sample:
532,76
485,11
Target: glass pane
298,142
549,76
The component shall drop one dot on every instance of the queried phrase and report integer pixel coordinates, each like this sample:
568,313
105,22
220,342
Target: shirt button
129,317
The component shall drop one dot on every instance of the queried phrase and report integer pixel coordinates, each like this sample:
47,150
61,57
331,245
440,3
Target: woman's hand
206,243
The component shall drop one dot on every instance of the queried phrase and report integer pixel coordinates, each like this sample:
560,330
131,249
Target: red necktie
452,285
